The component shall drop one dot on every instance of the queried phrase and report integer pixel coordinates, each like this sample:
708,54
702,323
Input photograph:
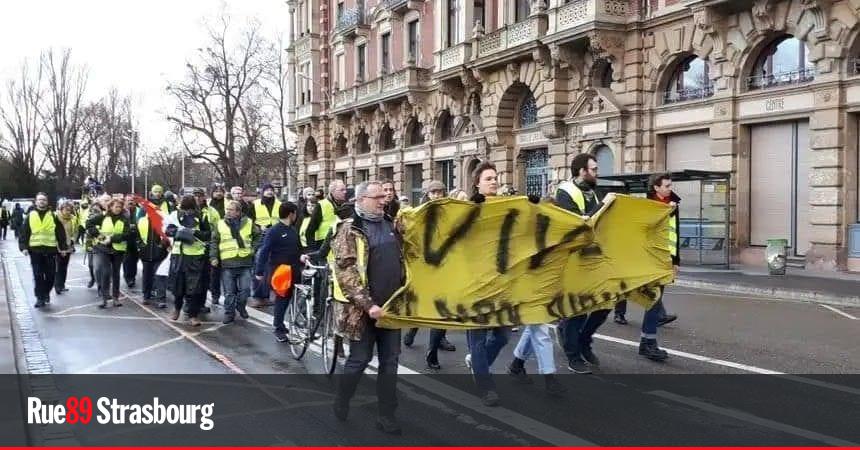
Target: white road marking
753,419
841,313
74,308
102,316
127,355
527,425
706,359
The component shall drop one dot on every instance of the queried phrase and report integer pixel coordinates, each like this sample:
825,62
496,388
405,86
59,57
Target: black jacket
154,249
676,259
24,233
342,210
95,222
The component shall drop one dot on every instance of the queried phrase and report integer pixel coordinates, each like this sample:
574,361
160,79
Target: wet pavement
717,334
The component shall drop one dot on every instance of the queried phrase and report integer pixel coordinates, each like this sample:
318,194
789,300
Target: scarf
366,215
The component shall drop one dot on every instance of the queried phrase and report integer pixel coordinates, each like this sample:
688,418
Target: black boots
649,349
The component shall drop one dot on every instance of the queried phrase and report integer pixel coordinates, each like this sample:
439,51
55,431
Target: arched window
311,150
605,160
528,111
340,149
362,143
690,80
415,133
386,138
783,62
445,126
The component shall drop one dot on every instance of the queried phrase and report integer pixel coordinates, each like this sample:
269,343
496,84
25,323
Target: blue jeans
652,317
236,284
577,332
280,311
484,346
536,339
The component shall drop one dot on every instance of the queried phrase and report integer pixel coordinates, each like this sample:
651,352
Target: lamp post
131,137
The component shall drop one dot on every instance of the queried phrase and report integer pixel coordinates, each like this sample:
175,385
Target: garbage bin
775,255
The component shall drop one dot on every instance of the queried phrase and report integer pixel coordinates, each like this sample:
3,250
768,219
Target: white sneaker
469,361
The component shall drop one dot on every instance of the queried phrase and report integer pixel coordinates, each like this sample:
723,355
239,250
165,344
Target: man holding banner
579,197
368,270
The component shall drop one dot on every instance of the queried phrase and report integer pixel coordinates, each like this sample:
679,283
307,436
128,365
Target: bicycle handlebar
310,265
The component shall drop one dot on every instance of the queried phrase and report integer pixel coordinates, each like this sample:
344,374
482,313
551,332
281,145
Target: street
622,403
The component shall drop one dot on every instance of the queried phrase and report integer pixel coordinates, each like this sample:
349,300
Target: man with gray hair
368,269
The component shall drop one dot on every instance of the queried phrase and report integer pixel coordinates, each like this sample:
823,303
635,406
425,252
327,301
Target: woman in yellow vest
69,219
188,262
41,235
111,232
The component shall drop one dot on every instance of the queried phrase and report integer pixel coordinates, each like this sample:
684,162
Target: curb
772,293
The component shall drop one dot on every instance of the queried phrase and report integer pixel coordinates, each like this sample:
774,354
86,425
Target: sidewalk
837,288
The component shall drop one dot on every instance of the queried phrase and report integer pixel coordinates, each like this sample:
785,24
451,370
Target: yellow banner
511,262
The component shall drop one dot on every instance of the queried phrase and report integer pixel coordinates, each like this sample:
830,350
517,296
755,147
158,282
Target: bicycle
304,321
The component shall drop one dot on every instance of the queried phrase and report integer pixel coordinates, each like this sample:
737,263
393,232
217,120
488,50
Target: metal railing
781,79
394,4
684,95
854,66
350,18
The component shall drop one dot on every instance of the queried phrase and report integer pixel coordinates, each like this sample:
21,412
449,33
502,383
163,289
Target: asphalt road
627,401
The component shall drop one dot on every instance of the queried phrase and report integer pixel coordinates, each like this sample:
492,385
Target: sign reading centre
511,262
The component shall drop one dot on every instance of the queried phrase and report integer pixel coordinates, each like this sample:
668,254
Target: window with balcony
412,49
478,14
453,23
385,44
362,143
360,57
415,133
340,149
528,111
783,62
521,10
445,126
689,81
386,138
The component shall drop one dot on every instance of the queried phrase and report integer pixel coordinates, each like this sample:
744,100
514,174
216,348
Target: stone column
826,180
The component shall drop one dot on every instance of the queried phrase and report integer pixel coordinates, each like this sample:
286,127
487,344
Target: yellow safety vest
212,215
262,217
229,247
575,194
329,218
111,228
673,236
198,248
143,229
360,265
43,231
303,230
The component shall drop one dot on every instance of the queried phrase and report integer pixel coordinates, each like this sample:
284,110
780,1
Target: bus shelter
704,211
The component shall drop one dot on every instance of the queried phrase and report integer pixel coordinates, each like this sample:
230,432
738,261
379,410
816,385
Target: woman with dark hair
392,202
110,231
69,220
189,259
485,344
281,245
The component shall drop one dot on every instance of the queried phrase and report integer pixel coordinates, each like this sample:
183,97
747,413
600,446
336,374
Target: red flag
155,215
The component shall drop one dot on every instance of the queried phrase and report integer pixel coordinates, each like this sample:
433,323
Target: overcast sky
134,45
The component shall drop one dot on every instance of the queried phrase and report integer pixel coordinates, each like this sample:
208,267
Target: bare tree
22,122
165,167
104,139
61,111
276,90
212,102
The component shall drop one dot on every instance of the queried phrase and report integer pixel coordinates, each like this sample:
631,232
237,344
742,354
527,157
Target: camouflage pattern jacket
351,253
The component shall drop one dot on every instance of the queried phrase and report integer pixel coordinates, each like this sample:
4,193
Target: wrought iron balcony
350,20
781,79
688,94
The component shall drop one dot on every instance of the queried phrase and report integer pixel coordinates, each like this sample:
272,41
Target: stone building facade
765,90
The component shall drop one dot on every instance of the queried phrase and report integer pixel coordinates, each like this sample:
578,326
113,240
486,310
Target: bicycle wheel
298,335
330,339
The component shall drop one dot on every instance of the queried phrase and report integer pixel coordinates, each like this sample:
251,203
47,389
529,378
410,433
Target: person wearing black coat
152,250
110,232
188,265
41,236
